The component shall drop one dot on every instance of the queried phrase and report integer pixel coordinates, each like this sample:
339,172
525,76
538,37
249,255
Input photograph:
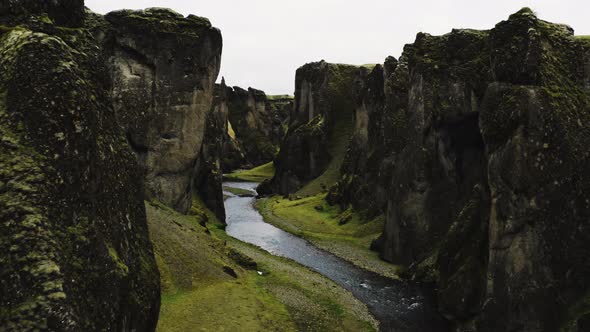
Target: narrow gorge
443,190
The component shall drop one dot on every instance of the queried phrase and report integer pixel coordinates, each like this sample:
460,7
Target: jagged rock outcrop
163,68
488,169
324,106
74,247
209,174
377,136
257,126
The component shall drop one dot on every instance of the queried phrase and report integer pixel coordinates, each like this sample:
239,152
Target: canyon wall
474,146
74,247
324,106
493,177
256,123
163,67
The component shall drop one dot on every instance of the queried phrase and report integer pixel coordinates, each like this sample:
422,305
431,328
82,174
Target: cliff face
74,246
488,174
209,174
163,67
256,127
321,118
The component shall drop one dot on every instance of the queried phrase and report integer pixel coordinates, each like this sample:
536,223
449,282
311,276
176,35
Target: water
397,305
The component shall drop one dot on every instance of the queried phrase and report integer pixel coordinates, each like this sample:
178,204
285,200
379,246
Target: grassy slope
257,174
313,219
338,144
197,295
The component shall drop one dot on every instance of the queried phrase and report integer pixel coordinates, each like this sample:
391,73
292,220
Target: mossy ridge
256,174
162,20
337,146
280,97
345,233
73,223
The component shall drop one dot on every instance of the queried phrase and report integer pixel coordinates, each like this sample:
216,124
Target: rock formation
483,136
74,247
324,106
163,67
257,125
209,174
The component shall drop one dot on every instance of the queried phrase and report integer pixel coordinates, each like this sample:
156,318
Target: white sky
265,41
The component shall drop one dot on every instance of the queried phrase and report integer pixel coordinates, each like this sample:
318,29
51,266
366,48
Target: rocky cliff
209,173
319,126
479,140
163,67
257,124
74,247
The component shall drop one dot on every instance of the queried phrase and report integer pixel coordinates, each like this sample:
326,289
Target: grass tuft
257,174
346,234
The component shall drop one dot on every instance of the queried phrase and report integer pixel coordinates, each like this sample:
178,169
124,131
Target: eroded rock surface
488,171
256,126
323,101
74,247
163,68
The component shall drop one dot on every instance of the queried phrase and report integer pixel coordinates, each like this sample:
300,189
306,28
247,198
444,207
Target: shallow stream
397,305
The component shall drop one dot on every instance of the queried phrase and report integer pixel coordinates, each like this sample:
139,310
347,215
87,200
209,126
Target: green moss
197,292
279,97
257,174
337,145
345,233
239,191
369,66
122,268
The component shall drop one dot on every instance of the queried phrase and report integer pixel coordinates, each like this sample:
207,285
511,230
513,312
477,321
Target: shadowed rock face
74,247
488,169
69,13
323,98
257,123
163,68
209,175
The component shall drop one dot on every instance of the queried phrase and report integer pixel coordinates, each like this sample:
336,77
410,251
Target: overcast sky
265,41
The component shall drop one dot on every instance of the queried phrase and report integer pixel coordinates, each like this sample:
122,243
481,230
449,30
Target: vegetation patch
263,292
279,97
346,234
239,191
257,174
339,139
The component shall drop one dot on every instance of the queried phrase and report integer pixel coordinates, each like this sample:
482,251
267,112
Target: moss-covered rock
496,124
324,101
163,68
75,252
474,145
257,125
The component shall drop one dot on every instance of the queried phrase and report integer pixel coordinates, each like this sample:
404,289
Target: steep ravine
472,147
397,305
465,160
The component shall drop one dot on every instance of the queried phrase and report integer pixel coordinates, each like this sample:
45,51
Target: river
398,305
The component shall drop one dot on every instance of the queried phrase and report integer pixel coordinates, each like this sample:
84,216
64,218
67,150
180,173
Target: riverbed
398,305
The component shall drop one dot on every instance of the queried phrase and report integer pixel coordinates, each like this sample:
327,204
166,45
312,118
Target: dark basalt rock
74,247
257,125
323,99
209,175
474,145
69,13
163,68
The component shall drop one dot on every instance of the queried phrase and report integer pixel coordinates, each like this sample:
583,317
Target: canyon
460,168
